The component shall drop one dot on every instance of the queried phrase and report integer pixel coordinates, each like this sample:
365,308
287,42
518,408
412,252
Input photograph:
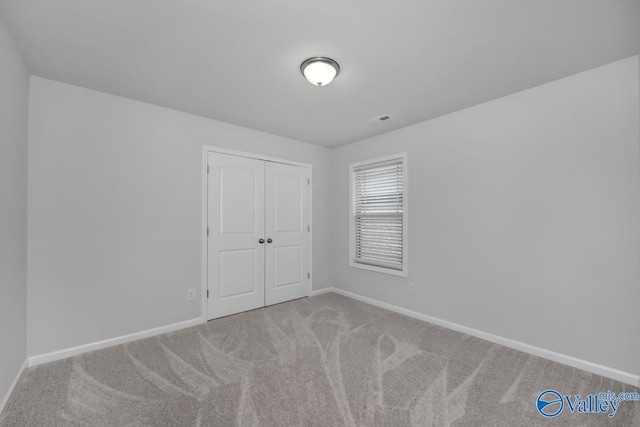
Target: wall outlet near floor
412,288
191,293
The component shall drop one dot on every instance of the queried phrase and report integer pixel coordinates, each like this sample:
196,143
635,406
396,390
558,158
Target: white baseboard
74,351
5,399
322,291
574,362
595,368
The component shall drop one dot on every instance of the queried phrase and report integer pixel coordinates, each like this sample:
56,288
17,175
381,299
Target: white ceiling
238,60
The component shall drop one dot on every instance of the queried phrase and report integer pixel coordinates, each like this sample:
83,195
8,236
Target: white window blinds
378,210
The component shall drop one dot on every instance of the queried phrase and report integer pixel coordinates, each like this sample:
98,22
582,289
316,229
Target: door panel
286,223
287,262
236,223
237,272
287,194
237,196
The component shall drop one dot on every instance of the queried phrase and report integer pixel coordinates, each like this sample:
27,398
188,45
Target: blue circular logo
550,403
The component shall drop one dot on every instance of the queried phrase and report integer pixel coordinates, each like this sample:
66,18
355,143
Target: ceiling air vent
382,118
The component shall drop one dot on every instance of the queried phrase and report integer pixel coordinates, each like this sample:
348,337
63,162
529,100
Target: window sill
390,271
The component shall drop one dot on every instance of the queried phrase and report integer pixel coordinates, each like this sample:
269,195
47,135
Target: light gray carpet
321,361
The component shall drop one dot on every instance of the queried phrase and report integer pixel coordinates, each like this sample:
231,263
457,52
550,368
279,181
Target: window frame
404,272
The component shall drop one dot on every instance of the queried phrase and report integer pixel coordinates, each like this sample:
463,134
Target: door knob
261,241
269,240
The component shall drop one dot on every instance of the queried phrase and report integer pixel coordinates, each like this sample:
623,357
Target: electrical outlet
191,293
412,288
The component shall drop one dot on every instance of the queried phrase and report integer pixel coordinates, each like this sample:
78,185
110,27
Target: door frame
206,149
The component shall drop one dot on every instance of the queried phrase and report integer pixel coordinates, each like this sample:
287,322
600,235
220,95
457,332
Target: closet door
287,232
236,227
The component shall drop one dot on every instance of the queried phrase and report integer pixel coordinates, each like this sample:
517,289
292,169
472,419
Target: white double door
258,225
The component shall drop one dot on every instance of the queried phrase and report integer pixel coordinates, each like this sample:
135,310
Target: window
378,231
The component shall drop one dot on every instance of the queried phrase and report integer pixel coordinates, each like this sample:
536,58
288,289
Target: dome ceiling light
320,71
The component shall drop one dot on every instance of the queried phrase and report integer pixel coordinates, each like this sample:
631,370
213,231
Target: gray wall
115,212
14,88
525,205
523,217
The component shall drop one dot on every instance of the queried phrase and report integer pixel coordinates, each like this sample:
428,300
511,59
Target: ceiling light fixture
320,71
